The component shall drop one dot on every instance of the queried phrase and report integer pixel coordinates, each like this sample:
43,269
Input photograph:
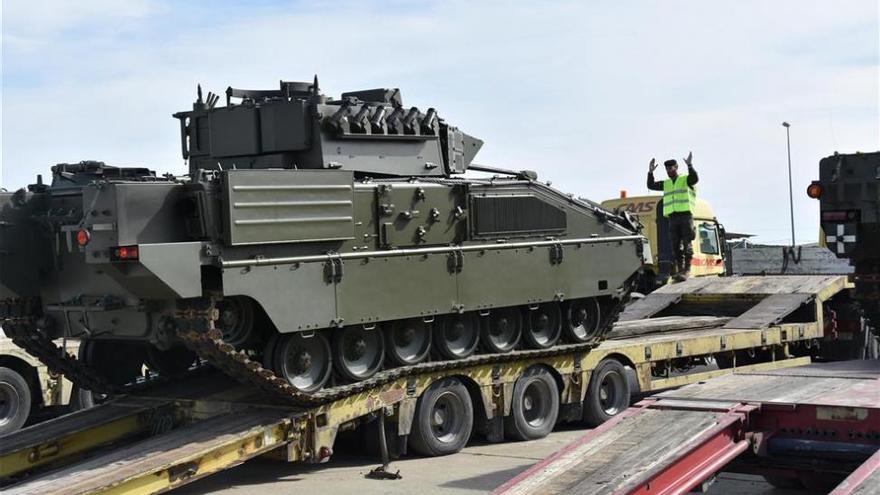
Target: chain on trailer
195,328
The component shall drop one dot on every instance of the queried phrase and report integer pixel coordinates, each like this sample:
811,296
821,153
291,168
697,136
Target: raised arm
693,178
653,185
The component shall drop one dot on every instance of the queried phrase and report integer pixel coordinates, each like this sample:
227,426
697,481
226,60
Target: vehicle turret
369,132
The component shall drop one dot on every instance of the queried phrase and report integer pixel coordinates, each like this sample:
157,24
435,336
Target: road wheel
543,326
409,341
305,362
358,352
534,407
236,321
583,320
456,336
608,393
443,419
81,398
118,362
501,330
170,362
15,401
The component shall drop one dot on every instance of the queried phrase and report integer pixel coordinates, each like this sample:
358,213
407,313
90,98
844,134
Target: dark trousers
681,233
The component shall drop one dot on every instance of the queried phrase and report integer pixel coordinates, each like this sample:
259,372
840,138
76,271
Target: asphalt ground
477,469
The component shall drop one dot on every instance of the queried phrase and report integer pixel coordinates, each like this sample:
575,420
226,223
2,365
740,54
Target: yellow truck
28,391
710,250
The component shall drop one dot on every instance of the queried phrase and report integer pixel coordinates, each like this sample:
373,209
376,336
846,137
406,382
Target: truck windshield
708,239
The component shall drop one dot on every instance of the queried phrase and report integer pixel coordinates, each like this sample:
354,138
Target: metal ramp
167,460
751,422
716,296
642,445
770,311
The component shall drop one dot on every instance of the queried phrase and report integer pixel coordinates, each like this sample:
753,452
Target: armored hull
313,242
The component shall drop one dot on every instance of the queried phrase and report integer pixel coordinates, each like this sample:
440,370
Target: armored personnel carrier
314,242
849,204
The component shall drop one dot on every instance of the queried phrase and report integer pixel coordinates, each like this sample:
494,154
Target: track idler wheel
118,362
236,321
501,330
583,320
170,362
543,326
304,360
408,341
358,352
456,336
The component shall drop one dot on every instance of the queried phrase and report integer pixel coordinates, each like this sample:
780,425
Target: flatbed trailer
814,427
175,433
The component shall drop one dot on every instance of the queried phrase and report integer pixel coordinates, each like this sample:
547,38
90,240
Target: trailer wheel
15,401
443,420
535,405
608,393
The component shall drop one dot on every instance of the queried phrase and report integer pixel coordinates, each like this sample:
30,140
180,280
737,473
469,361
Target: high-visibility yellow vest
678,197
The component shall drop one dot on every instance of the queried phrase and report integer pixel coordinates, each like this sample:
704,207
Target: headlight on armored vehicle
124,253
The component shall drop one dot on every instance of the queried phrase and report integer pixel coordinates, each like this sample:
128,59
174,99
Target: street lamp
790,195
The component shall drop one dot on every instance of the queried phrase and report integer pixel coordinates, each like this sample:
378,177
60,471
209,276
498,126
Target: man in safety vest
679,196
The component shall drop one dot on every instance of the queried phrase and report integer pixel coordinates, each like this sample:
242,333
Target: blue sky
583,92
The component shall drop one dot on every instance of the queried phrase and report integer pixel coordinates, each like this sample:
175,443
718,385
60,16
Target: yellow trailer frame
199,431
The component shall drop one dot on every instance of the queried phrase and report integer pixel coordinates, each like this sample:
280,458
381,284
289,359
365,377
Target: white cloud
584,93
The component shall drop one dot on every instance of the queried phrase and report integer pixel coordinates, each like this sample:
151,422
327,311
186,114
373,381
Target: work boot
676,277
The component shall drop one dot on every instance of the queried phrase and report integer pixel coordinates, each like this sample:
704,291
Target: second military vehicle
313,242
848,191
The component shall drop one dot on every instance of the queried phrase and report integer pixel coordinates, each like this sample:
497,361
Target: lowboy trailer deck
814,427
169,435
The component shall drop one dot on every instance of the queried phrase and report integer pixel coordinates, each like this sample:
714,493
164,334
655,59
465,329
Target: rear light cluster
124,253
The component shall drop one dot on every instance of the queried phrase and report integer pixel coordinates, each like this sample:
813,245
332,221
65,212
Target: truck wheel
535,405
608,393
15,401
443,420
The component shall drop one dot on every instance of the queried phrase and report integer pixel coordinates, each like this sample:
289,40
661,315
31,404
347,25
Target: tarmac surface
477,469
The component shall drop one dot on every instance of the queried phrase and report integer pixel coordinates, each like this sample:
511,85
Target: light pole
790,195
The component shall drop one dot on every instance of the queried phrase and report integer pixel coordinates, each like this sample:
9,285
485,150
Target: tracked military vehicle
848,191
313,243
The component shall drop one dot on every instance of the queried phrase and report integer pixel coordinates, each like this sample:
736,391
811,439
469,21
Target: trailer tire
15,401
608,393
534,406
443,419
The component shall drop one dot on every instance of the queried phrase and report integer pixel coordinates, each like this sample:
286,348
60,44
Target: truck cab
710,250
